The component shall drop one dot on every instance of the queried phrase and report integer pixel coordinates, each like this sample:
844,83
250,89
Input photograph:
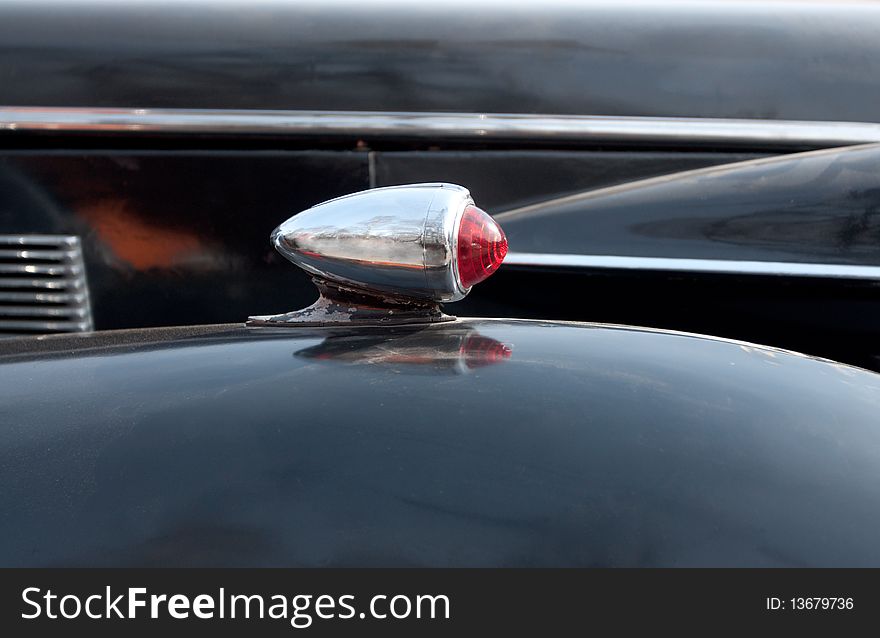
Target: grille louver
42,285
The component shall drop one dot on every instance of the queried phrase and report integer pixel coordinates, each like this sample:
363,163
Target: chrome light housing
399,241
389,254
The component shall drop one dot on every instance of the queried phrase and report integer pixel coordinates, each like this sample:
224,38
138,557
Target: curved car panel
804,208
476,442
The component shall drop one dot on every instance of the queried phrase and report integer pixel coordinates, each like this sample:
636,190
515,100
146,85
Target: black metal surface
472,443
812,61
837,318
819,207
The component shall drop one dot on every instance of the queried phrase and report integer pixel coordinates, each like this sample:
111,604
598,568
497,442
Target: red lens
481,246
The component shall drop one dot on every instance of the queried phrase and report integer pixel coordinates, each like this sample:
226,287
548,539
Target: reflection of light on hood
456,351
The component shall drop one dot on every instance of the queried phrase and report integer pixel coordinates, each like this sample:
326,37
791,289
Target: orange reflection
135,241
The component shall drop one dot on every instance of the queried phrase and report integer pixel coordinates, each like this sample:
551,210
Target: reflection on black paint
452,350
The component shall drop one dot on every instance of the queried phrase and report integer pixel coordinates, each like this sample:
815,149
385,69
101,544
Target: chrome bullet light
389,255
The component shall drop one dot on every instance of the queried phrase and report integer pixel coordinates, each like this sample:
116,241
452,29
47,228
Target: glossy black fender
480,442
818,207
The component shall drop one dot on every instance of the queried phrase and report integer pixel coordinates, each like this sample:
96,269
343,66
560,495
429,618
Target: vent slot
42,285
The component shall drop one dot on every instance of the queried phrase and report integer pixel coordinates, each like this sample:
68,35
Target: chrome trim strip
44,255
46,326
78,312
706,266
75,298
476,127
70,270
41,284
68,241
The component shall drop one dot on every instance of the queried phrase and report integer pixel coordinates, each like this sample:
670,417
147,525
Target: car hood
470,443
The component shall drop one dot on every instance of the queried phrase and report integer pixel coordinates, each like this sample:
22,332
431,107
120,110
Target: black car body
728,152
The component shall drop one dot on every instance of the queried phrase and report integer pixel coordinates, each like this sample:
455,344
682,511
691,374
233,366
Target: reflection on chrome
397,241
388,256
500,127
457,350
